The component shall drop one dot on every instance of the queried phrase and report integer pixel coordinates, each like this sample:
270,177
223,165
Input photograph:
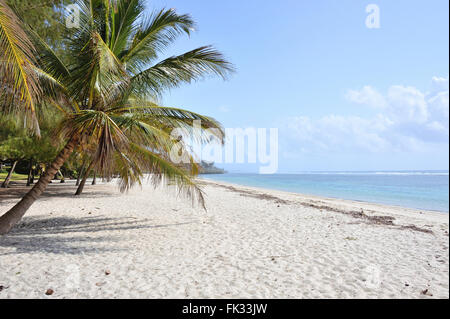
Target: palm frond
144,133
153,35
16,55
47,58
124,15
105,75
96,128
186,68
173,118
163,171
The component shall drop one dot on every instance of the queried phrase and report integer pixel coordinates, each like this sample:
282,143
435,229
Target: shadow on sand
67,190
67,235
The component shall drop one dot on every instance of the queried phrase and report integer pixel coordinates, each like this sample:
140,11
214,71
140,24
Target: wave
377,173
413,173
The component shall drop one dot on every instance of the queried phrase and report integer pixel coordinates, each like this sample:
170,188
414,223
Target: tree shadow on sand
67,235
18,190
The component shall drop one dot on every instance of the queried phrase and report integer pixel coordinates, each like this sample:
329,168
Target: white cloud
439,105
408,120
439,84
367,95
406,104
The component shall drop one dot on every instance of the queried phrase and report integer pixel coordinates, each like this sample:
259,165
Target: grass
14,177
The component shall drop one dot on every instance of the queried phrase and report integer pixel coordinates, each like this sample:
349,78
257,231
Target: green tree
12,142
46,17
108,90
17,144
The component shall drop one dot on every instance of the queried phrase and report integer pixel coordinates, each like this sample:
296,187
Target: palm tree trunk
30,179
85,177
63,180
5,183
83,166
94,181
15,214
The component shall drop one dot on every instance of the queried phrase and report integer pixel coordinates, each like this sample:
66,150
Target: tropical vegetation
101,92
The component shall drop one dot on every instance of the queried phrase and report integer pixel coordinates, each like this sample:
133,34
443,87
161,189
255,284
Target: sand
252,243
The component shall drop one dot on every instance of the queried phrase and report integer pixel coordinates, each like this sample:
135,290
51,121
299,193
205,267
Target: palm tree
107,87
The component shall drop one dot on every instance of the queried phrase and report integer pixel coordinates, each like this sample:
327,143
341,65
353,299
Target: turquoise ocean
426,190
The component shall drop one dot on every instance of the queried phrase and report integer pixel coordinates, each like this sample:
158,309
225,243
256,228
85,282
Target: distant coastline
210,169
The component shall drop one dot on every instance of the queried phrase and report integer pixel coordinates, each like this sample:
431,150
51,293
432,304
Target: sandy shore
251,243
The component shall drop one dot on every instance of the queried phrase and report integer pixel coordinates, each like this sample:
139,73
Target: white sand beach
251,243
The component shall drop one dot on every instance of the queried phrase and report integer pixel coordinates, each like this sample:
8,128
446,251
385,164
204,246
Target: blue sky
344,97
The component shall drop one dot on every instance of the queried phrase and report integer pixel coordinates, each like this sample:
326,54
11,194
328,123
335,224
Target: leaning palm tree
107,87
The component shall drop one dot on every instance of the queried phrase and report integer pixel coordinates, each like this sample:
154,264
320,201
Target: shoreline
438,216
306,195
251,243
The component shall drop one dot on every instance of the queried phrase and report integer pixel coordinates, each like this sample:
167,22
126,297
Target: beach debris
276,257
3,287
350,238
370,219
254,194
406,285
107,272
427,292
418,229
99,284
361,214
49,292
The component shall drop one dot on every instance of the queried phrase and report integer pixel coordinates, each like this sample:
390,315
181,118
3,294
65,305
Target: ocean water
427,190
